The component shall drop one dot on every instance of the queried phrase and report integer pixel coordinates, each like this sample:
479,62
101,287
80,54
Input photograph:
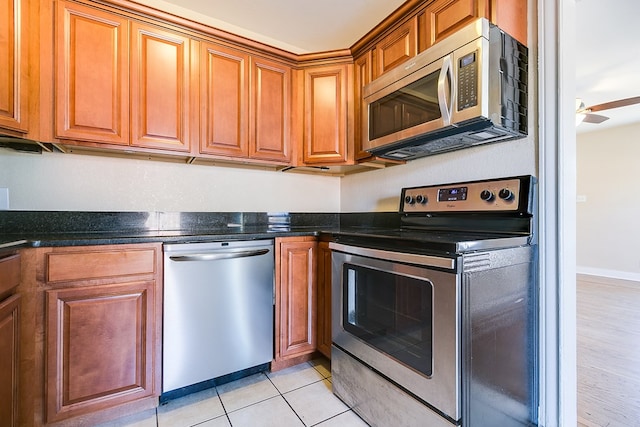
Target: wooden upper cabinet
224,97
326,114
91,74
14,66
444,17
510,16
270,111
362,76
397,47
160,88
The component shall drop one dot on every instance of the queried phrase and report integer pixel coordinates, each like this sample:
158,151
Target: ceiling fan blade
594,118
615,104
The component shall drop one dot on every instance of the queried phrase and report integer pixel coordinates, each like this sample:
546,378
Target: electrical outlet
581,199
4,198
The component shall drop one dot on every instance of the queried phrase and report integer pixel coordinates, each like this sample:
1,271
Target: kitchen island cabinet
295,300
93,332
9,339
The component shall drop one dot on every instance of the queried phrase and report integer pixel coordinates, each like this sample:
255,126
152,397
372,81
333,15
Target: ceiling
297,26
607,35
608,58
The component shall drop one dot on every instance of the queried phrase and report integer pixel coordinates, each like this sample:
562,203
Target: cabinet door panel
363,76
270,111
99,347
9,358
159,88
325,137
224,85
13,65
444,17
92,69
397,47
324,299
297,298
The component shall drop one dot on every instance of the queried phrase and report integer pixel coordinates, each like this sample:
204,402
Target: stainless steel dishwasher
218,313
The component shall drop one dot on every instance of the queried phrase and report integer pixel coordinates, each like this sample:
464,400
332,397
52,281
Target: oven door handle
423,260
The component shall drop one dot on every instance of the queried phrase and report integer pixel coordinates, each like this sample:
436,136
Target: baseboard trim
612,274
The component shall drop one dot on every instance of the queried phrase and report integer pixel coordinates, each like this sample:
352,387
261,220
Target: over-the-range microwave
468,89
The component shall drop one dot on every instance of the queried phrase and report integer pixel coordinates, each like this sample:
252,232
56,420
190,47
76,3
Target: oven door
400,314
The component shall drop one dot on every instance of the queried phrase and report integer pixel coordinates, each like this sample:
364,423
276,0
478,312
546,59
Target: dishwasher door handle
215,256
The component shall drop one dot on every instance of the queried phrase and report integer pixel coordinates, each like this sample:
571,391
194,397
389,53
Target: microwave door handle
446,90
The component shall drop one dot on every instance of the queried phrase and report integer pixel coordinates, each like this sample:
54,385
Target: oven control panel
499,195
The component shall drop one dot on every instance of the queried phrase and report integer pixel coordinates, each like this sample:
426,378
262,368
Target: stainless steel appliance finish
218,310
469,89
441,314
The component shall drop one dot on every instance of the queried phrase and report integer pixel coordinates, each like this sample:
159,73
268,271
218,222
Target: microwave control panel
500,195
468,81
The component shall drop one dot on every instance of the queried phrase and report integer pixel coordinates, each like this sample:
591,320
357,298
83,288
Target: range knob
422,199
505,194
409,200
486,195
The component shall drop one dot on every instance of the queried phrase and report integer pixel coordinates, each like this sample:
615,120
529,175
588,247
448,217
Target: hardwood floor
608,347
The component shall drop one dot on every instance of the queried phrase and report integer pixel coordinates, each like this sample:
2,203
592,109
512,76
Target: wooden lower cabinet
100,347
91,330
9,361
324,299
296,290
9,340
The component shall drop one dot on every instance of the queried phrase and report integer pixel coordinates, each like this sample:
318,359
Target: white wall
380,190
70,182
608,233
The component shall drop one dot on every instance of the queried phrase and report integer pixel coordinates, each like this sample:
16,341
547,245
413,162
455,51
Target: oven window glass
392,313
410,106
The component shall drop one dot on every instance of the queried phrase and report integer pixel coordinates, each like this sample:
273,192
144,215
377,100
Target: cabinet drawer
99,264
9,273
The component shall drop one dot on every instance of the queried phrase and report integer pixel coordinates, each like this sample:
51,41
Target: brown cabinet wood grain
397,47
296,292
224,77
363,74
270,111
102,330
14,66
100,347
91,74
161,89
9,340
326,114
324,299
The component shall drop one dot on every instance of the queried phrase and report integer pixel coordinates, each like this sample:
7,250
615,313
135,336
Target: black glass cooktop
430,242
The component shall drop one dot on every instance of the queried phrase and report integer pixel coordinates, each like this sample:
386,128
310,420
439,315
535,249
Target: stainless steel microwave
468,89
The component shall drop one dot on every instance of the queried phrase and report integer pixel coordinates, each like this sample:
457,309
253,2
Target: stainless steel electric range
434,323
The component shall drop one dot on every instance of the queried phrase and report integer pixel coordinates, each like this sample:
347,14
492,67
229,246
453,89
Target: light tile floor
297,396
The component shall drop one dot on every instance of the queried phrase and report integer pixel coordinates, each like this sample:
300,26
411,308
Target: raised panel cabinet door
324,299
14,65
297,298
99,347
160,88
325,115
397,47
225,101
444,17
9,361
91,75
362,76
270,111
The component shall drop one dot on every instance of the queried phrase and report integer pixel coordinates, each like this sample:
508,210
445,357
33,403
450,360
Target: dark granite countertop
20,229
